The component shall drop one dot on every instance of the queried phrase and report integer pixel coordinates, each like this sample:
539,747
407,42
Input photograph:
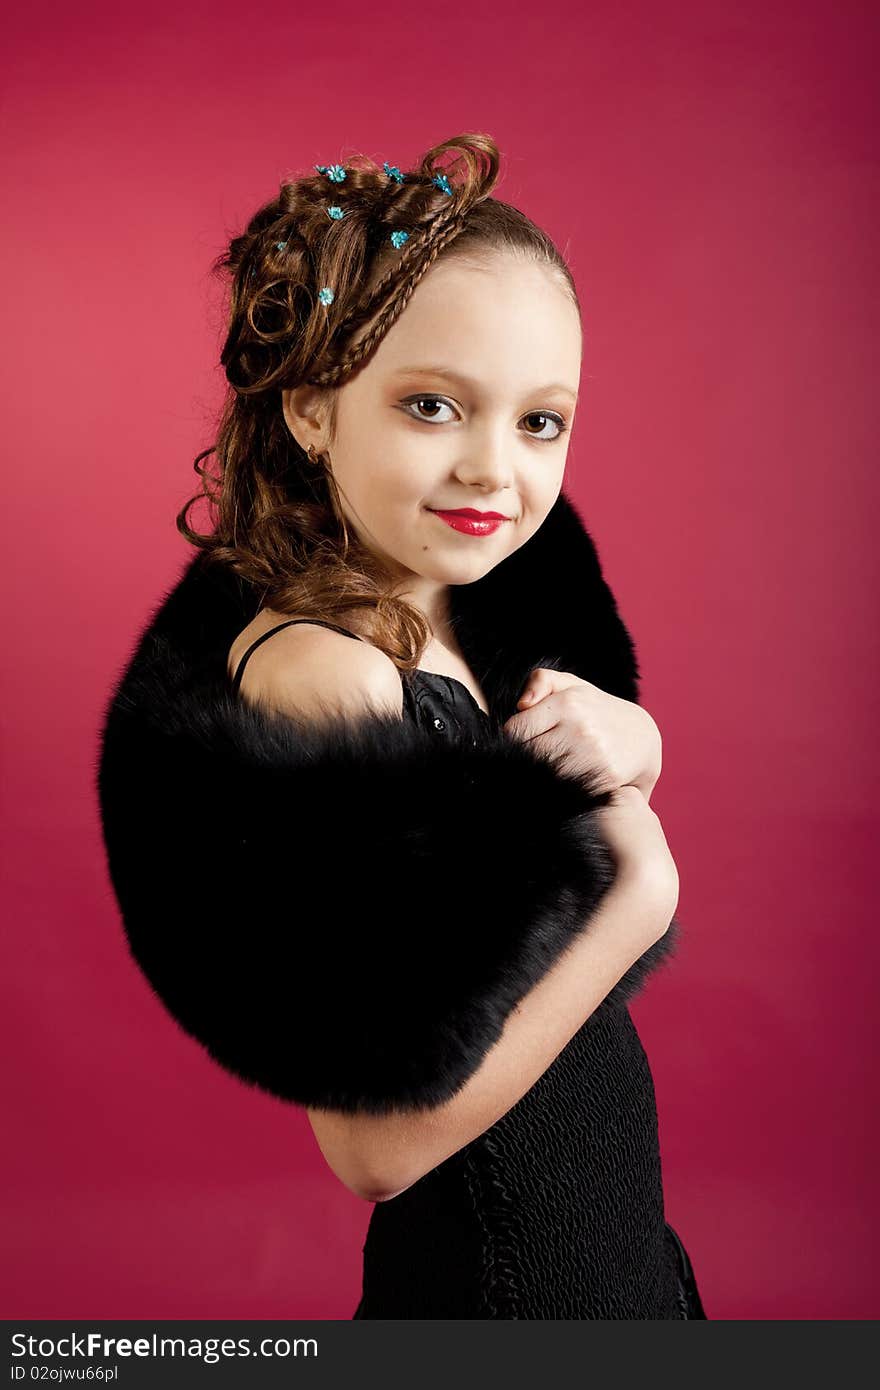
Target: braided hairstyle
278,522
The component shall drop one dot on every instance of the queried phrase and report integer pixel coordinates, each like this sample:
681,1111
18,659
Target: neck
432,599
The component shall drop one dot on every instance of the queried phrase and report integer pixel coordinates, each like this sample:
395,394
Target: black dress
556,1211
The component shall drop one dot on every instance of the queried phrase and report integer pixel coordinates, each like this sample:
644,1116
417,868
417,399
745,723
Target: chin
461,571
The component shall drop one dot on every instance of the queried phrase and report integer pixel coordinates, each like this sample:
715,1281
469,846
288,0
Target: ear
305,411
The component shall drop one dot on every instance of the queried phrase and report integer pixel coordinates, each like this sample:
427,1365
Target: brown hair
278,521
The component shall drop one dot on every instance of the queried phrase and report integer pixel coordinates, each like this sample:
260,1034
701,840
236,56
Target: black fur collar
280,883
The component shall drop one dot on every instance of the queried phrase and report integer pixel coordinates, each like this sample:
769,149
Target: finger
533,721
552,745
541,683
544,681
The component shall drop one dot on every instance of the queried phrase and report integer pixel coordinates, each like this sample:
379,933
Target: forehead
504,321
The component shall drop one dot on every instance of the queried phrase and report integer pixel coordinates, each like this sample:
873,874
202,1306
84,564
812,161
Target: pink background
712,175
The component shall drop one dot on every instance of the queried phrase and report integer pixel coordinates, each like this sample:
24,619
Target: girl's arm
378,1157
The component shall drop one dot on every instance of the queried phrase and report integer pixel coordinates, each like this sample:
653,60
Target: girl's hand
590,729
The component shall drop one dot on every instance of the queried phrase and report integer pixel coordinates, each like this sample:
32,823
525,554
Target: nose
485,460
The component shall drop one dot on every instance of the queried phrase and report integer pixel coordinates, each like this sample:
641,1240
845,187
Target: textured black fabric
442,704
557,1210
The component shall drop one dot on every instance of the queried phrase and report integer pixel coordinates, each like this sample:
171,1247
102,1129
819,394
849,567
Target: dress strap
236,681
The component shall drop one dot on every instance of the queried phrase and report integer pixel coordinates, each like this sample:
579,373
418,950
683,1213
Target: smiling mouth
469,522
471,512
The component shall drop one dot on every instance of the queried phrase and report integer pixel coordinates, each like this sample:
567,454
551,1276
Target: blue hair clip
397,238
336,174
326,295
442,182
280,245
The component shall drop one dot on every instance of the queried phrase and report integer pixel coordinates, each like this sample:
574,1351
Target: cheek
389,496
547,483
538,497
401,483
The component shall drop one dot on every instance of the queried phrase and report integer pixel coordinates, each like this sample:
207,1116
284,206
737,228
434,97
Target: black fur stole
285,885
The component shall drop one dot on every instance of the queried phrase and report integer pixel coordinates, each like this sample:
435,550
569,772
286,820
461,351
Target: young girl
394,698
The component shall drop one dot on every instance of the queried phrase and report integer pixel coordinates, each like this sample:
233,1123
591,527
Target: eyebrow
462,380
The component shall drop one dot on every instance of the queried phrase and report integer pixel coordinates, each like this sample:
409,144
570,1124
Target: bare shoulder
309,669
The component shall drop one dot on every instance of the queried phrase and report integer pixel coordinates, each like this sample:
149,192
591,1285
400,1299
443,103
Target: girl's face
468,402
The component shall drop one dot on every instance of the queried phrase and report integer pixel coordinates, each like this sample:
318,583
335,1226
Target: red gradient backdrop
712,176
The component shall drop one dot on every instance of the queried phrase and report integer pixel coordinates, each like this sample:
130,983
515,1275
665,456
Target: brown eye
542,415
420,401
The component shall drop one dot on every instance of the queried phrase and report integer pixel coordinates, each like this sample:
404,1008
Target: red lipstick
471,522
